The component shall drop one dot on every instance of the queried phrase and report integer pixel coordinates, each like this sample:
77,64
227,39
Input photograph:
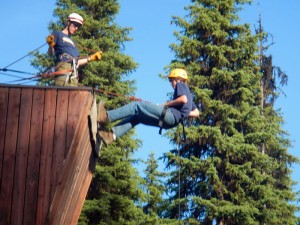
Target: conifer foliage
234,167
153,185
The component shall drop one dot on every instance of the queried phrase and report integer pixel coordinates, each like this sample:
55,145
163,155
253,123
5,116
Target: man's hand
50,40
96,56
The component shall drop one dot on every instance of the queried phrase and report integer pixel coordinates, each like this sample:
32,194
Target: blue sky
24,27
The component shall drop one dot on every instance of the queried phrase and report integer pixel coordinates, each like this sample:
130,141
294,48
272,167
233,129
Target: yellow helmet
178,73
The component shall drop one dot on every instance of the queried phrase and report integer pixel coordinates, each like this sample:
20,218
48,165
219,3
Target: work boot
106,136
101,114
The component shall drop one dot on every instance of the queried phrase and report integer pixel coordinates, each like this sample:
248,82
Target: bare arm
178,101
96,56
182,100
83,61
194,113
50,51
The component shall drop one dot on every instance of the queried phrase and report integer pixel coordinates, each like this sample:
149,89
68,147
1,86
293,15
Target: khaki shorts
67,79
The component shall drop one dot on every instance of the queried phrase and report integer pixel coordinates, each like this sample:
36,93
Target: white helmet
76,18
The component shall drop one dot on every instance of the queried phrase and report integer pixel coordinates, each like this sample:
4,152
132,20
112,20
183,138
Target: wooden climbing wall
46,157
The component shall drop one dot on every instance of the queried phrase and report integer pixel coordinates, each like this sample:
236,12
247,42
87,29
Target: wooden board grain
59,137
71,175
3,117
46,156
21,157
32,177
8,163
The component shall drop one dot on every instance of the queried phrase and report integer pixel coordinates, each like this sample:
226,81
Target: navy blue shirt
182,111
64,44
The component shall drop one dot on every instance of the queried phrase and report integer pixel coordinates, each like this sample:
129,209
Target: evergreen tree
154,188
114,192
225,176
115,188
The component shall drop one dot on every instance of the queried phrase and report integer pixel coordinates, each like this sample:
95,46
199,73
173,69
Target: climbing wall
46,156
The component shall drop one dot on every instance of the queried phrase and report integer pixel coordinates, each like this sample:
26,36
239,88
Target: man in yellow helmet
66,53
165,116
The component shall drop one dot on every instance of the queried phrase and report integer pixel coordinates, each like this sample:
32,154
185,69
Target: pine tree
114,193
115,188
154,188
272,79
224,176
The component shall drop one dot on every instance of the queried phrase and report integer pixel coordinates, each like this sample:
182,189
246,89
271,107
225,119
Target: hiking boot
101,114
106,136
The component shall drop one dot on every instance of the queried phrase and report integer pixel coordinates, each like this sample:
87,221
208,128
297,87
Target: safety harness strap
183,130
162,117
161,122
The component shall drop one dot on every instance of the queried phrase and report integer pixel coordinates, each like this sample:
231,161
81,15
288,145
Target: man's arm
50,51
51,42
178,101
97,56
194,113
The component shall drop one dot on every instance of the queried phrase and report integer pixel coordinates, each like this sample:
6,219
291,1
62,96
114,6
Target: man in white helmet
66,53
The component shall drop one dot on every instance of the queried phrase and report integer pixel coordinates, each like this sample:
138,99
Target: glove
96,56
50,40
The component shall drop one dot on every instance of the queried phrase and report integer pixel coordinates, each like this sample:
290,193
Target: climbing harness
67,76
49,72
75,72
162,117
161,122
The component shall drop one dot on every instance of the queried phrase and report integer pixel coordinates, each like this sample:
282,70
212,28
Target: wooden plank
32,181
74,110
21,157
3,115
72,167
57,207
34,156
9,155
89,164
44,200
84,178
59,138
76,179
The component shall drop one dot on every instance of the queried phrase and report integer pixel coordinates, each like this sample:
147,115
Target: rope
87,49
179,183
43,75
18,71
51,74
10,75
178,141
25,55
15,71
130,98
40,76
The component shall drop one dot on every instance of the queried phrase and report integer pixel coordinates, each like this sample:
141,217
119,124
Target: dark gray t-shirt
182,111
64,44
